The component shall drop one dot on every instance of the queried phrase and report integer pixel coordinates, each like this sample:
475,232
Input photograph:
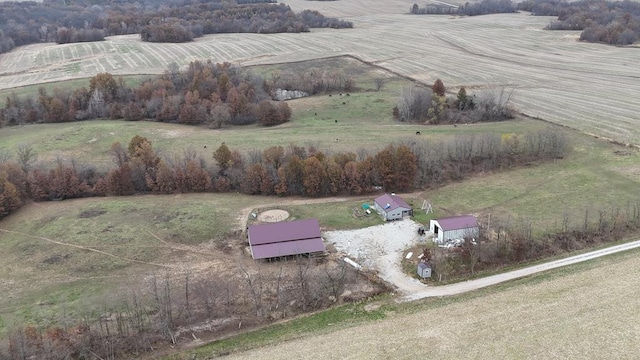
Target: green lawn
595,175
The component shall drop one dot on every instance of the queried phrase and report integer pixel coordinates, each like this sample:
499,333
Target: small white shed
453,228
424,270
392,207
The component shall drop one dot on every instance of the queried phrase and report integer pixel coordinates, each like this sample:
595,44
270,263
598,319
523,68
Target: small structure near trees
424,270
454,228
392,207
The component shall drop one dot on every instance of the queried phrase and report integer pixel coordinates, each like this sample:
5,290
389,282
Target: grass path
86,248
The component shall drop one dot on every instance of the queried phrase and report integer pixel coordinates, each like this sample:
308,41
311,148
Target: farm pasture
590,87
364,121
79,254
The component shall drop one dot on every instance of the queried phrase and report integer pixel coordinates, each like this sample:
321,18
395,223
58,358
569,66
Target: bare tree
414,104
256,287
279,283
302,277
471,252
495,106
336,278
379,83
5,156
162,297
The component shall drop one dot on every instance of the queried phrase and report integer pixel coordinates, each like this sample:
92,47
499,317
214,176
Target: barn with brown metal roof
392,207
453,228
285,238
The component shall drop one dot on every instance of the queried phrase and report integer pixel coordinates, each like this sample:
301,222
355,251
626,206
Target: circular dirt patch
273,216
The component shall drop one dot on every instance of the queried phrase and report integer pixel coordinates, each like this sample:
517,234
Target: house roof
458,222
285,238
393,201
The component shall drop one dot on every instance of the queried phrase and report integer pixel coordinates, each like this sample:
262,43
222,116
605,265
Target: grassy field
595,176
364,121
582,311
32,90
40,276
79,257
69,254
556,77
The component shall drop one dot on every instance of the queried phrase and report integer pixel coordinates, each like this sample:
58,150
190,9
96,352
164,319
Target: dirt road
462,287
586,314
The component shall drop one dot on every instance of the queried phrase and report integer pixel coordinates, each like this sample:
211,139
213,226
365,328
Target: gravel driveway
380,248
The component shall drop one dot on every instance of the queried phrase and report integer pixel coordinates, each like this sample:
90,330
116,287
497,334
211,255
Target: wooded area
290,171
615,23
205,93
433,106
173,308
23,23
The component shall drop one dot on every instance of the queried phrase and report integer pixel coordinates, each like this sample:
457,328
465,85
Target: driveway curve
470,285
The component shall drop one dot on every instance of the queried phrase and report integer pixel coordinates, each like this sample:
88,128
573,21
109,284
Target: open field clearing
590,87
595,175
73,253
585,311
90,141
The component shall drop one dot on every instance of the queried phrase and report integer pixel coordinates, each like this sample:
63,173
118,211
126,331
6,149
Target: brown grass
556,77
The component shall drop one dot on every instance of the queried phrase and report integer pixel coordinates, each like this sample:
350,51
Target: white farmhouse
453,228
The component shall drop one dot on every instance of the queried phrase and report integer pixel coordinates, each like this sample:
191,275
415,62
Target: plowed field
590,87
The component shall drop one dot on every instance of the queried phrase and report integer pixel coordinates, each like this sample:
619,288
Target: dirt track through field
80,247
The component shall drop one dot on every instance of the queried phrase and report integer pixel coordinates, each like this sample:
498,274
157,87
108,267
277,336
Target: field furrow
589,87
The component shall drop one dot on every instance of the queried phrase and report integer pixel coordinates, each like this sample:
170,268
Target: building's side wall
432,229
395,214
379,210
459,234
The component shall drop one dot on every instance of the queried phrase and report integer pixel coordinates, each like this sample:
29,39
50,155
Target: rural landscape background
67,264
585,86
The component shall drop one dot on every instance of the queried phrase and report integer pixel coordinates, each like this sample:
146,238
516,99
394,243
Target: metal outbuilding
392,207
285,238
453,228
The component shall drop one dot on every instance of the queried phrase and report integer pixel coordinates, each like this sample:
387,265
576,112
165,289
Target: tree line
203,94
23,23
483,7
433,106
256,18
609,22
285,171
